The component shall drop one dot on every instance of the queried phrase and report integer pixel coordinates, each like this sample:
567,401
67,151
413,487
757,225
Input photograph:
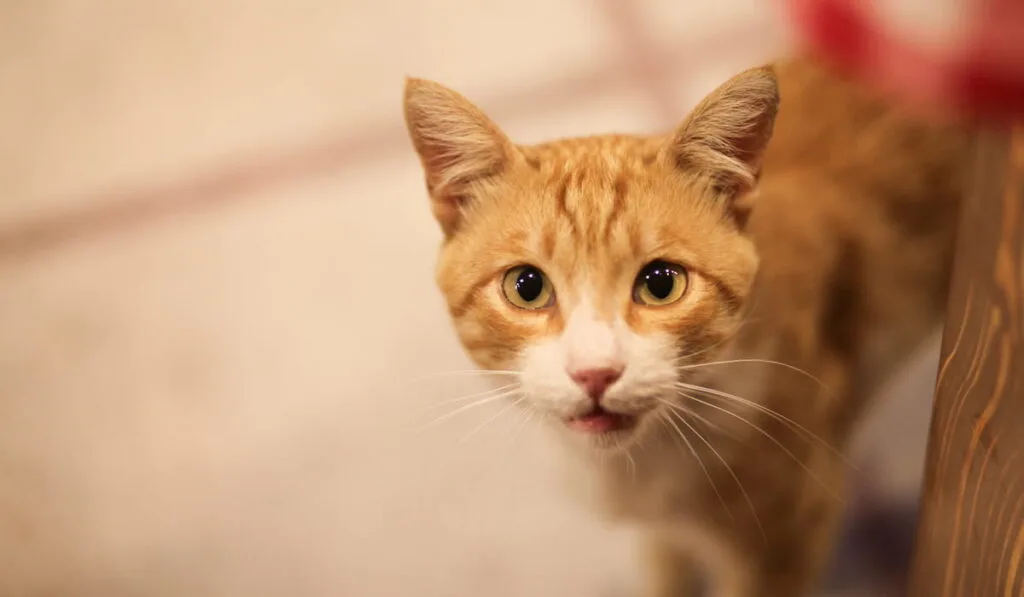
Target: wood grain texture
970,541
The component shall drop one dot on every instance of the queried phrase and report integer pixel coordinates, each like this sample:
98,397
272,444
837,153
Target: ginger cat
703,315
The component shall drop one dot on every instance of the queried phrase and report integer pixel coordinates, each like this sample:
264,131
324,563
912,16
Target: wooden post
970,542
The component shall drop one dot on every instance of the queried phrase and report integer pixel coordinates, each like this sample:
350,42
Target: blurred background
218,324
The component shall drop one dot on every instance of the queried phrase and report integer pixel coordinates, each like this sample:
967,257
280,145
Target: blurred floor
216,298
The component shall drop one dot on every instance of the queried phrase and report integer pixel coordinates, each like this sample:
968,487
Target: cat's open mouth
600,421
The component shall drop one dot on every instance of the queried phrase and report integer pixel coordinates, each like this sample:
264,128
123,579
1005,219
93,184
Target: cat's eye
660,283
528,288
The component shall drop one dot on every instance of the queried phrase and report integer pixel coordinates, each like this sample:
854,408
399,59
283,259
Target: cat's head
596,269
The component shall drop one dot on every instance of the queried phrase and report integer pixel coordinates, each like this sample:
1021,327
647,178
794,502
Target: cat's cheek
545,382
495,337
652,364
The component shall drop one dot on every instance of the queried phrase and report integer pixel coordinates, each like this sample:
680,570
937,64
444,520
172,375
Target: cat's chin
613,441
600,421
604,430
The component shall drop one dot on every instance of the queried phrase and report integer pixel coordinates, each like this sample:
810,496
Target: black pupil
660,279
530,284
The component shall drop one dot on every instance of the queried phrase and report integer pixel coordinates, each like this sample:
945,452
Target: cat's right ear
724,139
457,144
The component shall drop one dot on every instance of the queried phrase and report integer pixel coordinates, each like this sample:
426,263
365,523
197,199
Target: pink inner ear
448,212
438,158
750,148
450,165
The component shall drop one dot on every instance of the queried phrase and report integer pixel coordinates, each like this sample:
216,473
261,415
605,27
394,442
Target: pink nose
596,381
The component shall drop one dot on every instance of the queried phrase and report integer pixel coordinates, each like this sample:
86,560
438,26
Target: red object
955,54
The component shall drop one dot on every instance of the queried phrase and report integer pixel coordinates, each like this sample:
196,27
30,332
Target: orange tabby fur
829,252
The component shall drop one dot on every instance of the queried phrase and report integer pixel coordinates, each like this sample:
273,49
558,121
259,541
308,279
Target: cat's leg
797,566
784,553
801,529
670,570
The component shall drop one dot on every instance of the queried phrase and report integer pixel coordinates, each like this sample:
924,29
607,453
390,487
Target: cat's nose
596,381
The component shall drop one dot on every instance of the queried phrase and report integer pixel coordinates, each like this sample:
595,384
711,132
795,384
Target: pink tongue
599,422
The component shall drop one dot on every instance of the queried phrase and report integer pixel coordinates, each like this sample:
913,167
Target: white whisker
716,344
484,462
632,466
482,394
793,425
682,419
530,412
668,418
772,439
762,362
691,355
470,373
714,426
474,404
508,407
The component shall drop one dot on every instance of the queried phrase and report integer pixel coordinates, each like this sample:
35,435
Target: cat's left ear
457,143
723,140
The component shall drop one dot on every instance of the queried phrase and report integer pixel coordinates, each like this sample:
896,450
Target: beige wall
216,304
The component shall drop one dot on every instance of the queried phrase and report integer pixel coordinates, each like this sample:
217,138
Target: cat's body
835,264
